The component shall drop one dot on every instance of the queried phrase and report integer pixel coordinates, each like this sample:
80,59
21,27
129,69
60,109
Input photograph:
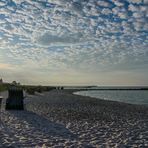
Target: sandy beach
60,119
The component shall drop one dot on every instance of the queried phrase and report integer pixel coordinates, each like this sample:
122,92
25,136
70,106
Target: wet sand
60,119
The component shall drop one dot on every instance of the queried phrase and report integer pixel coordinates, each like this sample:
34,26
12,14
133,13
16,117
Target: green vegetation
32,89
3,87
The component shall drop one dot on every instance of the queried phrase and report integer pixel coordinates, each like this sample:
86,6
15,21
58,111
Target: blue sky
74,42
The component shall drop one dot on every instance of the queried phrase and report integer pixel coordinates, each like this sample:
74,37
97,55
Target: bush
3,87
30,91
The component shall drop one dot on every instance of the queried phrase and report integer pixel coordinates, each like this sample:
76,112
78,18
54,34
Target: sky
74,42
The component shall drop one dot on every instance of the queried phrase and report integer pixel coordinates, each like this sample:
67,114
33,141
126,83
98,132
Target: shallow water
128,96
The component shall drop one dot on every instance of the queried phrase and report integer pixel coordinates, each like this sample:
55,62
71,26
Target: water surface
128,96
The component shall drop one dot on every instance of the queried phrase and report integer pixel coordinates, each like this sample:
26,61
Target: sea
127,96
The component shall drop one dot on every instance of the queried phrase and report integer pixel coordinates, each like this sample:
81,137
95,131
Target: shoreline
60,118
75,93
71,91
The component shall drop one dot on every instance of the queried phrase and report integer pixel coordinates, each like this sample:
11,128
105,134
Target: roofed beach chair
0,101
15,99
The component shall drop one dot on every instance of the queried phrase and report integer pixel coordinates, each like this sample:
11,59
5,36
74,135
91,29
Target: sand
60,119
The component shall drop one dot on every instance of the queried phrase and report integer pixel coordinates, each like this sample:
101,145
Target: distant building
1,81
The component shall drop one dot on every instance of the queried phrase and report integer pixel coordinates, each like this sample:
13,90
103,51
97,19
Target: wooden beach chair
0,101
15,99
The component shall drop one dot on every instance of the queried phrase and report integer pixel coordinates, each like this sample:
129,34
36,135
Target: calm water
128,96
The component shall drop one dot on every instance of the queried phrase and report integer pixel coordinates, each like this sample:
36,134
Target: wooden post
15,99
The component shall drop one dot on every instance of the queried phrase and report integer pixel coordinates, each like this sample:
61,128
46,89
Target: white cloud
106,11
2,3
137,15
81,34
48,39
133,8
103,3
118,3
135,1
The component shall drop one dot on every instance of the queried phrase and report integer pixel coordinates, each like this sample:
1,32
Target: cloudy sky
74,42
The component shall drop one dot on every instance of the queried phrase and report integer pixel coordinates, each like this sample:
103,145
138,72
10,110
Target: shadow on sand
27,129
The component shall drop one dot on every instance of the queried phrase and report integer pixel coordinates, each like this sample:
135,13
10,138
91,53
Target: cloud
103,3
118,3
145,1
82,35
106,11
4,66
48,39
135,1
133,8
2,3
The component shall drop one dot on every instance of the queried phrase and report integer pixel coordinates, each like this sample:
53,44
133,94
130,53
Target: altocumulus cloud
74,35
48,39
